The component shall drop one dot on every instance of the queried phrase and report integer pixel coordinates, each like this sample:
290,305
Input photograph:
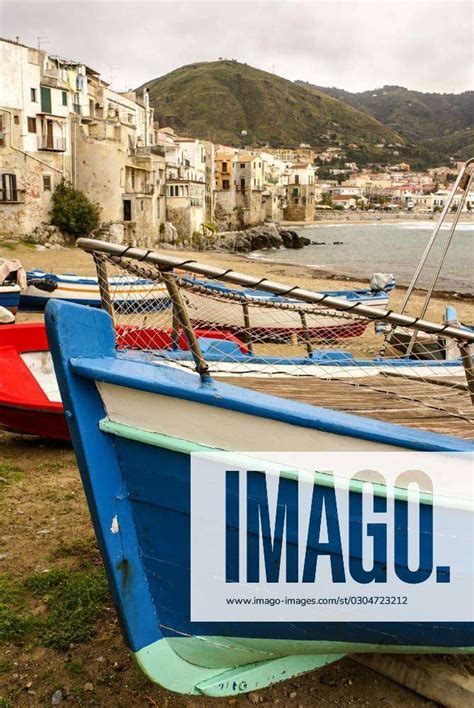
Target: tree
73,212
326,199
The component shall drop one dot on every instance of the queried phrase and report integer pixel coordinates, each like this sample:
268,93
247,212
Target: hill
219,100
439,123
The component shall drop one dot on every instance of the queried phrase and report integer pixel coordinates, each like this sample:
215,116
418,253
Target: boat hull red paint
45,424
24,406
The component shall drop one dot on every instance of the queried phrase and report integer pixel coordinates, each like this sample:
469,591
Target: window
32,125
242,165
8,188
224,167
33,95
16,120
297,179
64,97
47,183
127,210
45,99
225,184
2,134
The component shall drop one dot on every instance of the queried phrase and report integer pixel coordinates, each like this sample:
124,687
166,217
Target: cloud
356,45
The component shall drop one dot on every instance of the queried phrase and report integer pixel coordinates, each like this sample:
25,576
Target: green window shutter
45,99
64,98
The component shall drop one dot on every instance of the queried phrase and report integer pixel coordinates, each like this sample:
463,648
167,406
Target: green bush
73,212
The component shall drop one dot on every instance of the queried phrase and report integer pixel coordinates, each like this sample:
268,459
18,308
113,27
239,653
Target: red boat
29,396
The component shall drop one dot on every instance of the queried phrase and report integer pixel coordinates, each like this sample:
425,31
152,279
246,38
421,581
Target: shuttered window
8,188
32,125
45,99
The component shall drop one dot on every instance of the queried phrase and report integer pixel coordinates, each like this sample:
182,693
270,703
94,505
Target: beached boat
135,426
138,293
12,277
238,311
9,301
29,397
30,401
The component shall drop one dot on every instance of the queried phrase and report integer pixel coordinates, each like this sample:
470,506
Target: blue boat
9,301
136,292
271,324
135,425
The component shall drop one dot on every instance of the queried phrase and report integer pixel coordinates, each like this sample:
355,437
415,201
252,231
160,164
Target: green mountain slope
441,124
219,100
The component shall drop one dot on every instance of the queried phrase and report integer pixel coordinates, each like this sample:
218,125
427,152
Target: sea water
360,249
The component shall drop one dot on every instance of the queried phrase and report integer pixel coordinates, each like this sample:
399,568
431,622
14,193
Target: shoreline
319,272
374,218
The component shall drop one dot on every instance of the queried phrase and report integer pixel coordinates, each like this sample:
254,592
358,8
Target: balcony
45,142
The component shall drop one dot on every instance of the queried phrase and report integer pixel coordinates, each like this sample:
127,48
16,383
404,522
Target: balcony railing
45,142
11,196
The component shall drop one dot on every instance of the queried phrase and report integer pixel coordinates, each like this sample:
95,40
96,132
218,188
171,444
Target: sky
426,45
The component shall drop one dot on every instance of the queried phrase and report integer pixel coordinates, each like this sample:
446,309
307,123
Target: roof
245,158
300,165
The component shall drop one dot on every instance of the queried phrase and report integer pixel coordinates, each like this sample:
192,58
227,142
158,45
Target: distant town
59,120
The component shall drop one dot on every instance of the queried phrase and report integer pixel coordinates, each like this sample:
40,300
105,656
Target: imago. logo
325,536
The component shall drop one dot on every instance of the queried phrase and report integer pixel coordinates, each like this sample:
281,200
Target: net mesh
290,348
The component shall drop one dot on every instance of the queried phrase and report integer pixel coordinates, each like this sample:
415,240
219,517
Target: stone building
59,119
185,183
300,193
120,164
37,95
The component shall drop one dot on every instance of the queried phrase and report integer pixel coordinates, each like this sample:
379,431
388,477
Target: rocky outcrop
259,238
168,233
110,231
291,239
49,235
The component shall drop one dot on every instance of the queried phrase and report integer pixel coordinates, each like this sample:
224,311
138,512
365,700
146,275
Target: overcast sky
355,45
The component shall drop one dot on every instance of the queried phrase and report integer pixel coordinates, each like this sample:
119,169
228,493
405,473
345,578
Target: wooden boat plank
425,676
414,403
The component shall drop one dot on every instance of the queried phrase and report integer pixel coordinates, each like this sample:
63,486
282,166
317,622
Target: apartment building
185,182
59,119
37,95
300,192
119,163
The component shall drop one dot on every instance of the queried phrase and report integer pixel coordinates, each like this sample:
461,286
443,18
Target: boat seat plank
417,404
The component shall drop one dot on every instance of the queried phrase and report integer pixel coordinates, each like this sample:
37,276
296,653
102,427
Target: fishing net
329,356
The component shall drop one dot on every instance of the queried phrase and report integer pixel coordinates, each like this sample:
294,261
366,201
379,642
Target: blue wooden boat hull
138,295
10,298
137,484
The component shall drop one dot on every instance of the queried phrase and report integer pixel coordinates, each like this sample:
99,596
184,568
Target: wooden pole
248,331
468,367
104,290
182,315
306,336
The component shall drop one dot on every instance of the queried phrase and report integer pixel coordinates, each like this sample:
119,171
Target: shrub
73,212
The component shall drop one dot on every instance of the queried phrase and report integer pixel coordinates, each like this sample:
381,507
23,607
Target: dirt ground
59,637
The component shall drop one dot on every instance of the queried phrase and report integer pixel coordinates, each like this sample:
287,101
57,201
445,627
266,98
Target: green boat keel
164,666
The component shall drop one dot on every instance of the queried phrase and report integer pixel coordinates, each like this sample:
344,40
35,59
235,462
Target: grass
74,601
14,623
8,475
